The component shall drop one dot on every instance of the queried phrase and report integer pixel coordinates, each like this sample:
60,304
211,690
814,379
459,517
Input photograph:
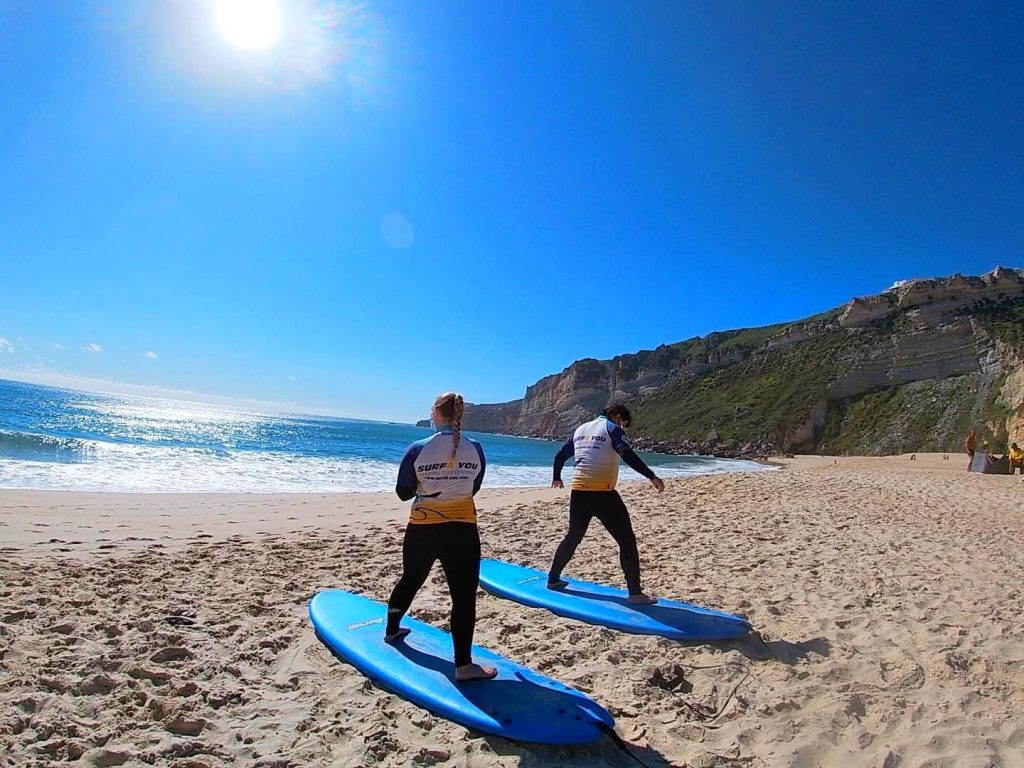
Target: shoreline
215,479
65,521
86,522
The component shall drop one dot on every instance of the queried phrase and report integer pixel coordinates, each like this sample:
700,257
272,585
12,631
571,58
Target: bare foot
558,584
641,599
474,672
402,632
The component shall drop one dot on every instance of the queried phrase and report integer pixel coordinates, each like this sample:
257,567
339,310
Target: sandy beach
172,629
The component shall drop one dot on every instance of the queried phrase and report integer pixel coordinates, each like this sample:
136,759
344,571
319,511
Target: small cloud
58,346
150,355
292,378
6,345
94,347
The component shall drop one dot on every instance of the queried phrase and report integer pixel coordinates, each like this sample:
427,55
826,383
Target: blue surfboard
610,607
519,704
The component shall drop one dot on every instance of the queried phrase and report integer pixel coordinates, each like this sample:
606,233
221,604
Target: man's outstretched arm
623,448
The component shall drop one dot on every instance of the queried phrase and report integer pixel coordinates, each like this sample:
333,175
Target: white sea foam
127,468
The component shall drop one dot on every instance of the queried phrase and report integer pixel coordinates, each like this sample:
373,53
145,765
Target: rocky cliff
909,369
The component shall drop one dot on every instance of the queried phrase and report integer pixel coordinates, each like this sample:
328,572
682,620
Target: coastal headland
911,368
172,630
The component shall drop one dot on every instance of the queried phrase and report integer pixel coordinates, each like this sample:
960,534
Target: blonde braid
451,406
460,407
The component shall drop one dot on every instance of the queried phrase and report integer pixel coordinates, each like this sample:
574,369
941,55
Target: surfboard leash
708,718
619,742
760,638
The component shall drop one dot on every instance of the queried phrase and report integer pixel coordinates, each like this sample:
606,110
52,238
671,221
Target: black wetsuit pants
457,546
606,506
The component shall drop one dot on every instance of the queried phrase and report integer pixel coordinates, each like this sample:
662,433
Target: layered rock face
488,418
805,384
935,298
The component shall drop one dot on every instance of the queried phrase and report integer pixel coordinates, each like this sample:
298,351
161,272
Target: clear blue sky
400,198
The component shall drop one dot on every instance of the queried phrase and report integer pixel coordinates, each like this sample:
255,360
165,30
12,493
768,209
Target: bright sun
252,25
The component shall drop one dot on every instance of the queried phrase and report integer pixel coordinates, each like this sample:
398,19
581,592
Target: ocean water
59,439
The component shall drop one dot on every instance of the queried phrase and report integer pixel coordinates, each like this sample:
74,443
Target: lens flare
326,42
398,231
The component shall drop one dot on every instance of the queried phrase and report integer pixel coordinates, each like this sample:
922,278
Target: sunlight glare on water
59,439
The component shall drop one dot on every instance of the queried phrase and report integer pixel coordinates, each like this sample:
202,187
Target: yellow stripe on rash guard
591,484
430,511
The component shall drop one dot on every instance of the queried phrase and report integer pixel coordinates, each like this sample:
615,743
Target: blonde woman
442,472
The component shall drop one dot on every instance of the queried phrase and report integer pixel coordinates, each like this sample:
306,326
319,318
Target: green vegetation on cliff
1005,321
785,392
760,397
666,356
923,416
701,349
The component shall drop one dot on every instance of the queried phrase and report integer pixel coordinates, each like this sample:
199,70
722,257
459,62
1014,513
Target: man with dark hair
597,447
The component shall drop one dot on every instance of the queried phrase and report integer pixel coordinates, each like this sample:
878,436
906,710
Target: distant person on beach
443,472
1016,458
970,444
597,447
